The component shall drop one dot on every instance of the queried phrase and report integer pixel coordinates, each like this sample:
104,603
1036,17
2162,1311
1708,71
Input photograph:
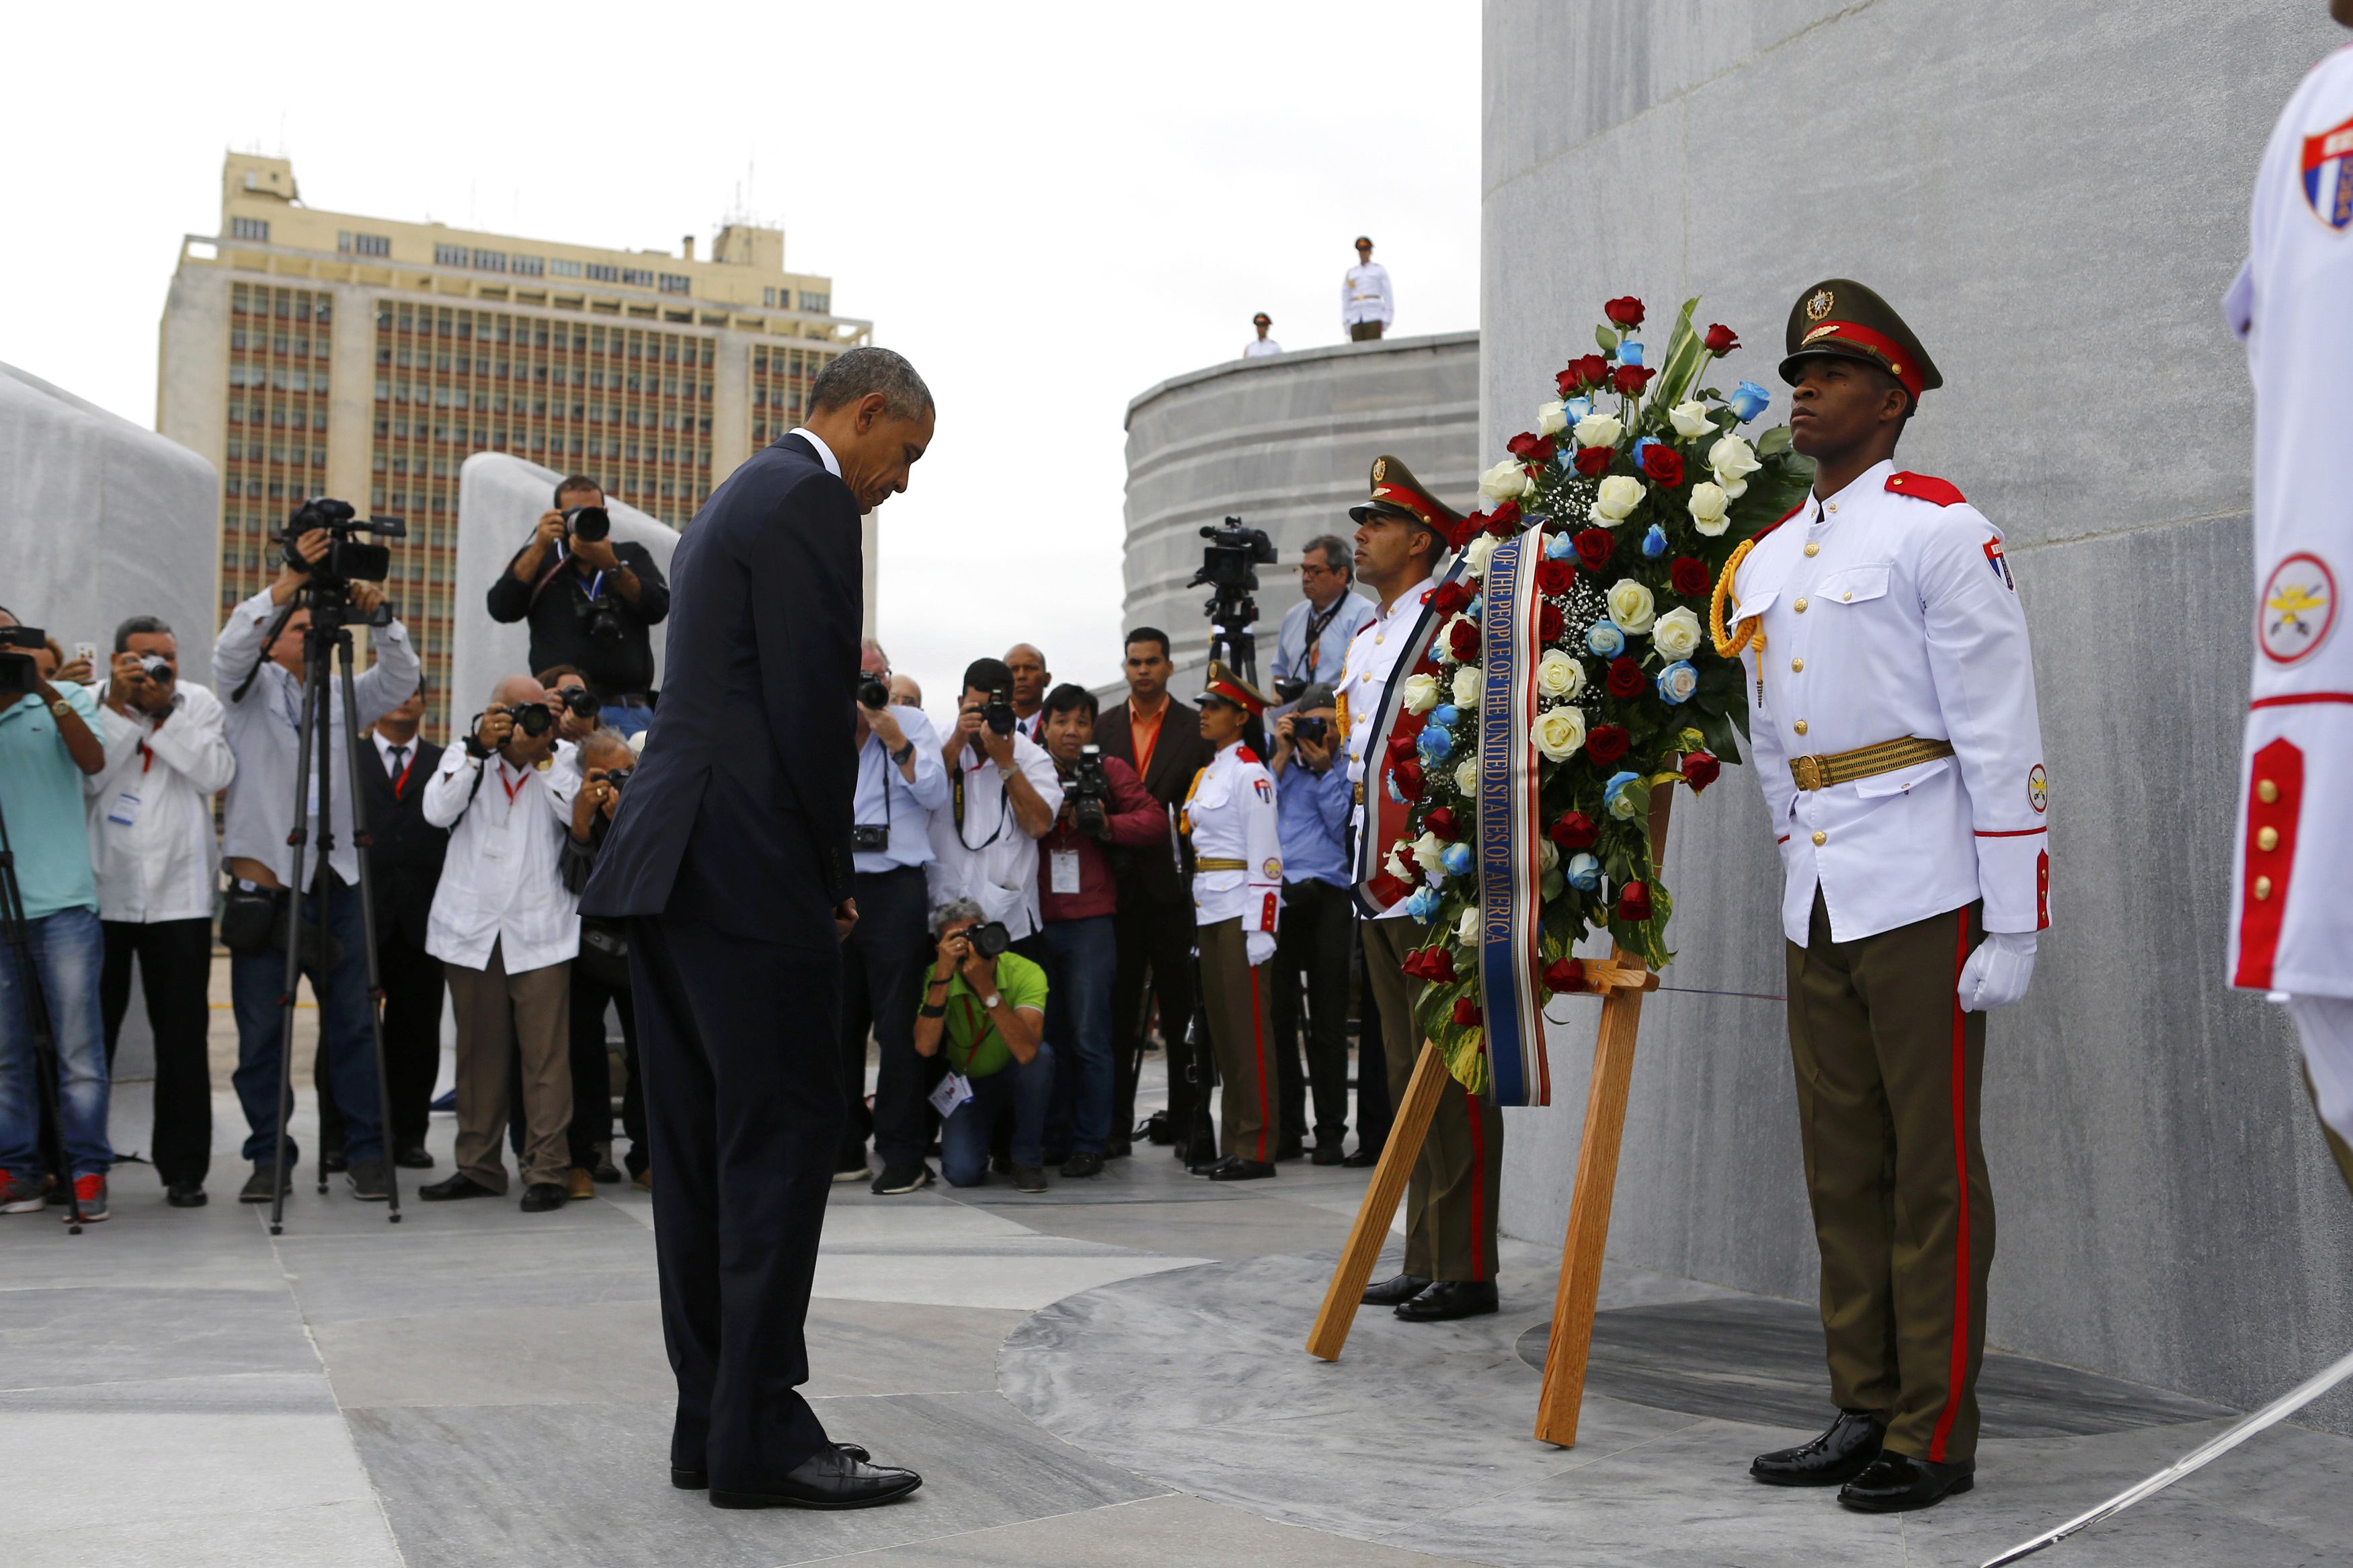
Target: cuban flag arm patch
2000,563
2328,176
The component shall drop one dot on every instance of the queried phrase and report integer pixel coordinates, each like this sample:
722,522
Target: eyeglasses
1313,569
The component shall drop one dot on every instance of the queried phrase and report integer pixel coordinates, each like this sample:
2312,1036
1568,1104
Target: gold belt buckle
1808,771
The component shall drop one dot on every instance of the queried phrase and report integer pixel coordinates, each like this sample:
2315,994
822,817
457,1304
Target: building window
560,268
448,255
352,244
768,297
530,266
637,277
249,228
604,273
676,283
489,261
820,303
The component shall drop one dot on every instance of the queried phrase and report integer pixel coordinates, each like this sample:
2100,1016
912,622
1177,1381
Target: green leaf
1606,339
1717,729
1775,440
1685,355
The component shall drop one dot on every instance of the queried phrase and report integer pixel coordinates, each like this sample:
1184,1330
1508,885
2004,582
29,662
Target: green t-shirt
47,819
967,1038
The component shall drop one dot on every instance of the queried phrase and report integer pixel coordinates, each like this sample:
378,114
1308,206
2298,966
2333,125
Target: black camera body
1315,729
581,702
617,777
348,559
19,674
870,837
1089,792
989,938
997,712
157,669
1234,554
873,691
599,617
593,523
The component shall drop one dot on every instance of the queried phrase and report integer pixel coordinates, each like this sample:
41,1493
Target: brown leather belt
1846,767
1215,863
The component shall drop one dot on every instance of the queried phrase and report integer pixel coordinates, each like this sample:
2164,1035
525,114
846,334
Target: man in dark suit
1160,738
404,867
731,856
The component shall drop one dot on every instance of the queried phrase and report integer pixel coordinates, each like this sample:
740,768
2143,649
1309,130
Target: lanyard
513,789
974,1019
146,758
876,741
1004,809
1317,625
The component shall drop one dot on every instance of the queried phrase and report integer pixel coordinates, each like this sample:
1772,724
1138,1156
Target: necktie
392,763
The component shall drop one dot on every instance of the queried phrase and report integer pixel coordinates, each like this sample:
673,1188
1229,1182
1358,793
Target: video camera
1089,792
1230,563
347,560
19,674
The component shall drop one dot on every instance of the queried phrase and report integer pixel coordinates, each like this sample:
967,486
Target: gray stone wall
2055,197
1287,444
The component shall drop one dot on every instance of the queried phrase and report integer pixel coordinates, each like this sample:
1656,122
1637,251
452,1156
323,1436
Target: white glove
1259,945
1997,972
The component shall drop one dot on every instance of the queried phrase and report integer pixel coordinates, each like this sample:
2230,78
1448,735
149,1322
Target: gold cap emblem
1380,470
1819,304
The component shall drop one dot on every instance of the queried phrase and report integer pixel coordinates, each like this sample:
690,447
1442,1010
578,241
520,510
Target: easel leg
1371,1231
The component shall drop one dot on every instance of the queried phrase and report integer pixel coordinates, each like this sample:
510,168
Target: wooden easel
1621,980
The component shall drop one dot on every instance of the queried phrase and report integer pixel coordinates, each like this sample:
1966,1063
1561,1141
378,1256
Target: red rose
1630,379
1605,744
1505,520
1721,339
1464,639
1438,965
1407,774
1466,1012
1634,902
1387,889
1574,830
1663,463
1450,599
1594,462
1626,677
1594,547
1400,745
1689,577
1583,372
1555,576
1700,769
1565,974
1530,447
1626,310
1441,821
1548,624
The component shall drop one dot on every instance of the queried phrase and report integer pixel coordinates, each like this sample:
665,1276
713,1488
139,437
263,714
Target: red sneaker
19,1194
89,1196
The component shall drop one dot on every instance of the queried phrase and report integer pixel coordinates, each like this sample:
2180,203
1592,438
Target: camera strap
876,743
1317,625
1004,810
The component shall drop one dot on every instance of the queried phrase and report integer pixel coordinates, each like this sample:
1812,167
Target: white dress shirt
383,754
824,453
1260,348
1372,657
1365,295
1229,815
151,846
501,883
987,858
885,799
262,734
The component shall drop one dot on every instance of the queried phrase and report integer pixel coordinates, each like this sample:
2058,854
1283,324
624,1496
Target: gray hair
956,909
871,645
1336,554
862,370
140,627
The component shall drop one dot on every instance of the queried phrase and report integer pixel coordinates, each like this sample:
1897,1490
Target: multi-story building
309,353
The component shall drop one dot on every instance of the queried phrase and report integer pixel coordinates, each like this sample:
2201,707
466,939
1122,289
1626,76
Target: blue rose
1605,640
1557,547
1423,905
1583,871
1577,408
1434,743
1678,681
1642,443
1654,543
1396,793
1446,713
1617,794
1456,858
1749,400
1478,603
1630,353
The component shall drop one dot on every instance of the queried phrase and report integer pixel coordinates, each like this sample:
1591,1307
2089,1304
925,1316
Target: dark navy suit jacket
739,815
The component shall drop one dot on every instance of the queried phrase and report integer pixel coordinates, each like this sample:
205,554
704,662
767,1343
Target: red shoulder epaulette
1248,755
1925,487
1759,535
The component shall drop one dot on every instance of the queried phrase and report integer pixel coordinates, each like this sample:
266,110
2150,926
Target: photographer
600,980
987,1012
506,929
264,714
1316,631
589,601
1105,807
48,746
578,714
1318,939
1003,796
900,785
157,863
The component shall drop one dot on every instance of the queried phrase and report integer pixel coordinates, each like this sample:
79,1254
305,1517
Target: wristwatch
988,1003
61,708
1004,772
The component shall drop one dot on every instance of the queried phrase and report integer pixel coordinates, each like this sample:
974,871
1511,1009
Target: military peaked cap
1841,318
1396,493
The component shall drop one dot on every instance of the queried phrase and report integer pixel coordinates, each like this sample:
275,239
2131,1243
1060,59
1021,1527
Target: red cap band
1884,349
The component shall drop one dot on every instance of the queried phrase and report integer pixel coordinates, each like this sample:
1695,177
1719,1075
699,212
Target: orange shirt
1144,734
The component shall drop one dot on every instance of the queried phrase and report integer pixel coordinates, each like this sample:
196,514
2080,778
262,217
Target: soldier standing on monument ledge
1367,304
1898,747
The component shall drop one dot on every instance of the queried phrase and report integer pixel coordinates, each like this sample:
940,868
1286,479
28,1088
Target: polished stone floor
1107,1375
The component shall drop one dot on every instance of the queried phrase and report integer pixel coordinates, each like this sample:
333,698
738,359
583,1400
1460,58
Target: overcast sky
1048,208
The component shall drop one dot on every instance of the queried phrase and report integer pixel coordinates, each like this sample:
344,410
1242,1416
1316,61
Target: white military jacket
1229,815
2293,304
1365,295
1888,610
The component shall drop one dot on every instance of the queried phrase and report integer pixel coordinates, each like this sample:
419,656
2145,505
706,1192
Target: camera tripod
48,1066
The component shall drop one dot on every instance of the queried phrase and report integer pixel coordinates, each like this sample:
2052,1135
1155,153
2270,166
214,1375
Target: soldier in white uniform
1230,821
1367,304
1261,346
2293,304
1893,722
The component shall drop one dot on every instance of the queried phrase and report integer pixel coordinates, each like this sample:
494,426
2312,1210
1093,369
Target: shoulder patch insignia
1927,488
1272,868
2000,563
2038,789
1265,788
1247,754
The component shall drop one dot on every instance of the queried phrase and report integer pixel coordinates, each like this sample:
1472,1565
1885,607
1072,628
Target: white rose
1733,460
1559,732
1559,675
1427,850
1675,634
1552,419
1466,774
1420,693
1618,495
1690,419
1708,504
1548,855
1507,480
1466,930
1396,865
1598,430
1632,606
1467,683
1476,554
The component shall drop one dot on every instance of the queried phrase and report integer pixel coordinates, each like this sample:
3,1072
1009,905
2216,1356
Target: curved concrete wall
1285,444
2168,1212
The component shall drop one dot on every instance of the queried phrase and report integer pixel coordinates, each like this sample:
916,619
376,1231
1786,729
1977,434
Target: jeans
256,983
68,953
625,721
1025,1088
1082,956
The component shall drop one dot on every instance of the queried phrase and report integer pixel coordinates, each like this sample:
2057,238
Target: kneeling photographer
589,601
984,1007
1105,807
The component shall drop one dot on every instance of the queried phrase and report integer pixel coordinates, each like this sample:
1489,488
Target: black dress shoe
1082,1164
460,1186
831,1477
1449,1300
1241,1170
1395,1291
1835,1457
1328,1154
1896,1483
1209,1167
539,1197
186,1195
412,1158
696,1480
1362,1159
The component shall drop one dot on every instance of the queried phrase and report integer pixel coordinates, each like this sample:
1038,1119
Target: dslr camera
589,522
19,674
533,718
157,669
1315,730
1089,792
1229,563
349,559
874,690
997,712
581,702
989,938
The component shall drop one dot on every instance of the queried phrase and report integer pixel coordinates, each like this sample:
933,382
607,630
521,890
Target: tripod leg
361,840
313,686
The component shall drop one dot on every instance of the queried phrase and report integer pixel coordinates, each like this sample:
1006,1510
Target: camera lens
157,669
589,522
581,701
872,693
534,720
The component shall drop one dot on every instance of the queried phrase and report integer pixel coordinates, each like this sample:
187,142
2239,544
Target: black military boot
1835,1457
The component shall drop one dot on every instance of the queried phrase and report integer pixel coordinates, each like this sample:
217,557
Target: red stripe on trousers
1958,1372
1478,1189
1257,1043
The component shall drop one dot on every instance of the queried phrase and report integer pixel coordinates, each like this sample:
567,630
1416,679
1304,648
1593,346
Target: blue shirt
40,789
1311,813
1291,662
884,795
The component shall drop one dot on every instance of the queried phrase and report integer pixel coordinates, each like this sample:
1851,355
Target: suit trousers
1155,948
1451,1203
882,986
1889,1071
1316,945
1234,1004
411,978
746,1102
175,964
532,1010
